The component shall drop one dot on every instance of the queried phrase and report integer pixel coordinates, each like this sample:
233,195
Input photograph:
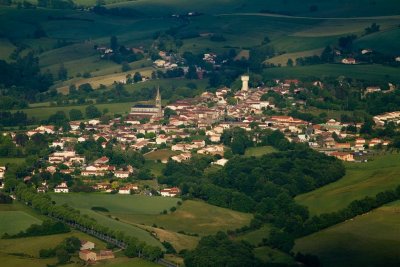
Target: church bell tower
158,103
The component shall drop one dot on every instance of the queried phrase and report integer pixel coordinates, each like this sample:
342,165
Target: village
146,130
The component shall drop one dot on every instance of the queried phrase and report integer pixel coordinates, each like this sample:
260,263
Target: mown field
361,180
371,239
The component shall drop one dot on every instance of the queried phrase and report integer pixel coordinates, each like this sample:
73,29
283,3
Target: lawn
361,180
161,154
156,168
375,72
259,151
371,239
192,217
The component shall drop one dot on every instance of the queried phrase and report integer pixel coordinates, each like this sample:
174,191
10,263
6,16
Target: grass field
5,161
156,168
267,254
255,237
259,151
118,205
368,240
13,222
361,180
192,217
364,72
44,112
282,59
161,154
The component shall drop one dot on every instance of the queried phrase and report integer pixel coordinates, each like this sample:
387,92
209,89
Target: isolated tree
62,72
373,28
75,115
114,43
92,112
125,66
137,77
289,62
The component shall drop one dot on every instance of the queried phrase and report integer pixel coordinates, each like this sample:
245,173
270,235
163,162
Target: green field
363,72
192,217
118,204
5,161
15,221
371,239
259,151
162,154
255,237
156,168
361,180
44,112
267,254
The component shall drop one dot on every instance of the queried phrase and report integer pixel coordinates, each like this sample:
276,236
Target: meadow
371,239
255,237
361,180
161,154
5,161
270,255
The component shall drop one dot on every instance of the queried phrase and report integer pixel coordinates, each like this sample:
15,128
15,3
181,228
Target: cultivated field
13,222
361,180
371,239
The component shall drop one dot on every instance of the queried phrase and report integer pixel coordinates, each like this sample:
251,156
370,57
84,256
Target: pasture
361,180
267,254
5,161
259,151
156,168
371,239
255,237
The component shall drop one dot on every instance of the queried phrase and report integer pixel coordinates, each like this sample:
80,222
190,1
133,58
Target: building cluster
87,253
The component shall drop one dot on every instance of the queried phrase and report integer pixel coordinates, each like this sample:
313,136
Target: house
161,139
122,174
102,160
221,162
61,188
87,255
349,61
170,192
182,157
86,245
2,171
345,156
124,191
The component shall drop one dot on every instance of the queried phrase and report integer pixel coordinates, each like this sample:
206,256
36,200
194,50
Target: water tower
245,82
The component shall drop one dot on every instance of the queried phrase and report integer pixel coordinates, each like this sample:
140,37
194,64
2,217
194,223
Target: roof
143,106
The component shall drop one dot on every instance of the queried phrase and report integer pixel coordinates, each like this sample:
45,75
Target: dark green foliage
101,209
48,227
169,248
220,251
62,256
75,115
92,112
5,199
47,253
373,28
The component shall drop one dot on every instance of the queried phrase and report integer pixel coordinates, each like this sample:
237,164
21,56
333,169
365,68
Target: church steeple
158,102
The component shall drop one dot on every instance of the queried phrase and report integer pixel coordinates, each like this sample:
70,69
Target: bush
5,199
100,209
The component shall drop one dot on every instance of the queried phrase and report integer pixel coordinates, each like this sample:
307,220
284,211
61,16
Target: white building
61,188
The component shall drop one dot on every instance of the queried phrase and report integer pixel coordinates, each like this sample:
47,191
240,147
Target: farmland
361,180
367,240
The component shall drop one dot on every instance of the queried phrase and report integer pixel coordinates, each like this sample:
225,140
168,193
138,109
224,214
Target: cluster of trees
219,250
44,205
22,79
62,251
47,227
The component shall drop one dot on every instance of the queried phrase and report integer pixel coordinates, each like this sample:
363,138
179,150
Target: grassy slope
4,161
118,204
368,240
162,154
13,222
192,217
361,179
269,255
255,237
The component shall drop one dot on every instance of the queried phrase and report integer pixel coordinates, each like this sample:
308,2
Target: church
148,111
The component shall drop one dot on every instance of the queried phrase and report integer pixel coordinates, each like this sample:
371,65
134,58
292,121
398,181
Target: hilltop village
188,128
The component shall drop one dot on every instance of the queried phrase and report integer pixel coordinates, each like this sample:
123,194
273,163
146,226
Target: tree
289,62
92,112
114,43
86,87
192,73
62,72
137,77
373,28
75,115
62,256
327,55
125,66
